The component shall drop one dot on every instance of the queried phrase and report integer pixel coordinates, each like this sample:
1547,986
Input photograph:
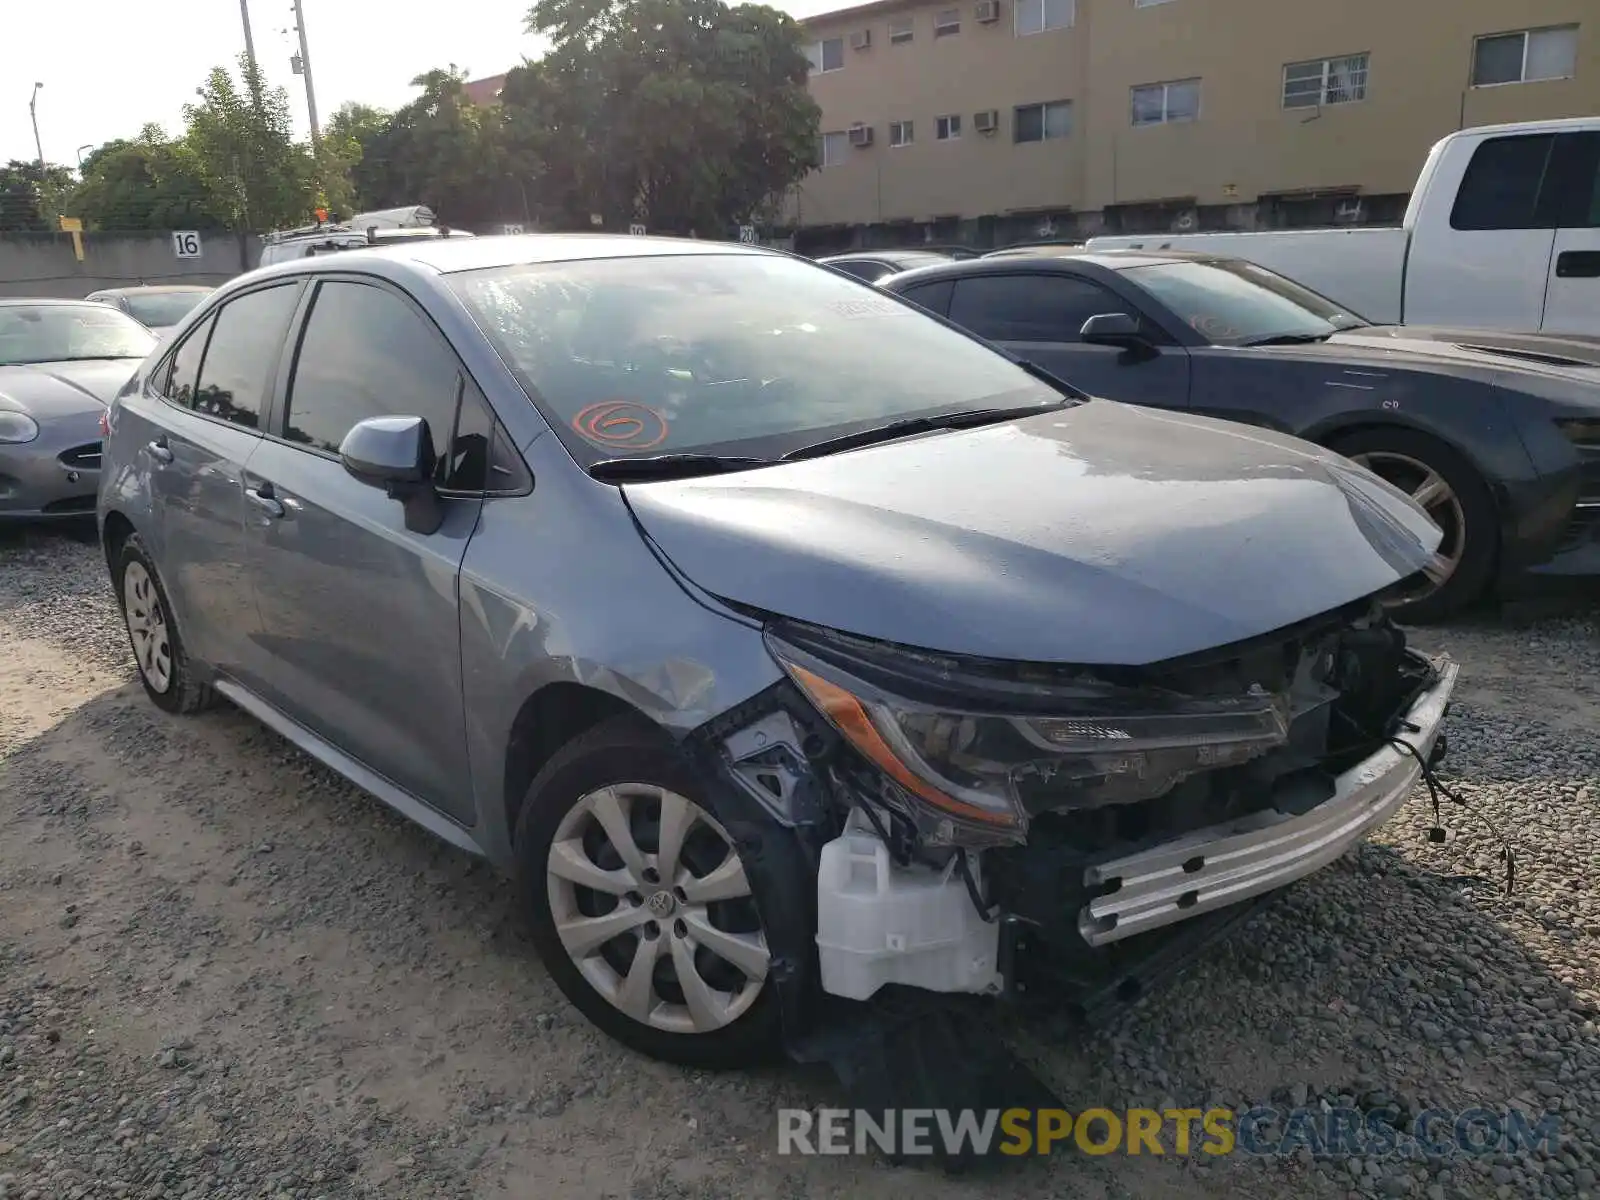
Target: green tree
345,141
440,150
31,194
148,182
687,115
241,137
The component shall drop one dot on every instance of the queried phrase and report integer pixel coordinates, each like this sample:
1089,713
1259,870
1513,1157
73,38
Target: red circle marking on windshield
621,424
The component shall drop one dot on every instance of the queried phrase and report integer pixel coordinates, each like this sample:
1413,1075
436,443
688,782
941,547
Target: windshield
38,333
751,354
161,309
1230,302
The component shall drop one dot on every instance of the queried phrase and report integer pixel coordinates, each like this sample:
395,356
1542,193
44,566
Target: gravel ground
225,973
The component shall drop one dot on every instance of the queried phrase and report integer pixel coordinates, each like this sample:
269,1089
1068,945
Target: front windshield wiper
913,425
1290,339
644,467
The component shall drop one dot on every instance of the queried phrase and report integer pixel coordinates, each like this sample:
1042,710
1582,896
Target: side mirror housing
1114,329
396,454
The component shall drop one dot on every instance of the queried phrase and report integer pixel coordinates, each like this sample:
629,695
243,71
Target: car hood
1098,533
63,388
1476,351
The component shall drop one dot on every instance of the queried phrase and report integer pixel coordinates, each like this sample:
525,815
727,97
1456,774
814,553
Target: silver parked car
154,307
781,639
61,361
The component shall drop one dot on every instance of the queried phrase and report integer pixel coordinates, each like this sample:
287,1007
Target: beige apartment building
1004,120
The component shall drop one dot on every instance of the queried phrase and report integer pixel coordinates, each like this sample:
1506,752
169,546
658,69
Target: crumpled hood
60,389
1100,533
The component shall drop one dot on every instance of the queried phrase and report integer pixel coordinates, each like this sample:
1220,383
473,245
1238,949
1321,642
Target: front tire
164,666
640,905
1454,496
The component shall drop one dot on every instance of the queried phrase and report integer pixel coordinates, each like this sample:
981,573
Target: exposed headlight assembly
16,427
976,763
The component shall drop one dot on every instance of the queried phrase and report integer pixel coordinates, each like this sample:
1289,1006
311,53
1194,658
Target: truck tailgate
1360,269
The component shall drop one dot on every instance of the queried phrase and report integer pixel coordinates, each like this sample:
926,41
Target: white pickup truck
1502,232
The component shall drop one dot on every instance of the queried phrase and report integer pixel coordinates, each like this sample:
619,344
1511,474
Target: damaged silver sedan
787,644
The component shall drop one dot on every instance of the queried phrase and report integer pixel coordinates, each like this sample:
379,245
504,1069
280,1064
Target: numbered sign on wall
511,230
636,229
186,243
747,234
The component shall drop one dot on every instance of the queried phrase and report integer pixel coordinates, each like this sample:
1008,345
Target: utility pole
305,69
249,40
33,113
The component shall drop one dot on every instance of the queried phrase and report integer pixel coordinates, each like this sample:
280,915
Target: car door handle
159,450
264,499
1578,264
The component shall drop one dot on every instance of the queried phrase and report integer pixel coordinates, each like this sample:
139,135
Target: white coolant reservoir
879,923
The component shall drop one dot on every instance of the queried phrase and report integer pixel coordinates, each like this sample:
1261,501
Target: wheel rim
147,627
1437,498
651,904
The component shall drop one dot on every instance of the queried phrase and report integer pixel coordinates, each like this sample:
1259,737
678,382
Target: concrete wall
43,264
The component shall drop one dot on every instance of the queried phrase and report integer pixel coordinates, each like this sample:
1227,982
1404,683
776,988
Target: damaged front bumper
1225,864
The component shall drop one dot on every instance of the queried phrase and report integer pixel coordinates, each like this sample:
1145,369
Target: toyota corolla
779,638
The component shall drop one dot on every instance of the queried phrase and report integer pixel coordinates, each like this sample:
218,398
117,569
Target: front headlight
17,427
976,768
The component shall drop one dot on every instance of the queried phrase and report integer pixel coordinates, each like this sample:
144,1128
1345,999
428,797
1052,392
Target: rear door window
246,340
183,373
935,296
1502,185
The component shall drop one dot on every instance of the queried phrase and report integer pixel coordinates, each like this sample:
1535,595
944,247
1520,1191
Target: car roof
447,255
153,289
1051,258
35,301
889,256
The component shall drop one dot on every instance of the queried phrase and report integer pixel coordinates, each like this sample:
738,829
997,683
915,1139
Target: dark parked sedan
1496,435
153,307
61,362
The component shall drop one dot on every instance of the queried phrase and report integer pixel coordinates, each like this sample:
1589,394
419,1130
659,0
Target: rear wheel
158,651
1454,496
640,903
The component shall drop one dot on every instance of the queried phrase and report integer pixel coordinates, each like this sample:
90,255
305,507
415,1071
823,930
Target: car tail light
105,423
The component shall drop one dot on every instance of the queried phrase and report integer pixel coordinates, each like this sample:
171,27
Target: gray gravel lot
225,973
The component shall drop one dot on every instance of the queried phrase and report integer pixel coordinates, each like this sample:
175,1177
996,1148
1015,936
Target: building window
826,55
1166,103
1325,81
1039,16
835,146
1042,122
947,22
900,30
900,133
1524,57
947,129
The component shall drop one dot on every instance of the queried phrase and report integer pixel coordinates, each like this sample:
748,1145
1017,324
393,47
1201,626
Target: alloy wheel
651,903
147,626
1437,498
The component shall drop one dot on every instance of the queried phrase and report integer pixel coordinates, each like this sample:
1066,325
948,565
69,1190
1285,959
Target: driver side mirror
396,454
1114,329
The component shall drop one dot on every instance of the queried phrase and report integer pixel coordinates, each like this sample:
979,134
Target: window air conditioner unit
861,135
987,12
987,121
861,39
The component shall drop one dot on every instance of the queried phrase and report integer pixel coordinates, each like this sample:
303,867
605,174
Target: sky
108,66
